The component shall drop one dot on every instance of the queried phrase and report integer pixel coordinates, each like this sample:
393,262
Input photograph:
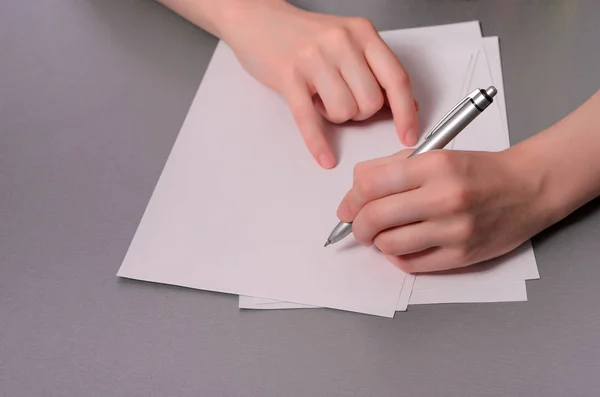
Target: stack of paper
242,208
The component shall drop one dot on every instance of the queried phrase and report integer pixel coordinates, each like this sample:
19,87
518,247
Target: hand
445,209
335,66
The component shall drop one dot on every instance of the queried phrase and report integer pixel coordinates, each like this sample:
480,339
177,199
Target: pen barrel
450,129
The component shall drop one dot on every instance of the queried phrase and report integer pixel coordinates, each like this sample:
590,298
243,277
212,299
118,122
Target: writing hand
444,209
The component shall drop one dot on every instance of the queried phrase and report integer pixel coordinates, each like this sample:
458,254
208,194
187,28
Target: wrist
532,176
546,174
237,14
225,18
564,161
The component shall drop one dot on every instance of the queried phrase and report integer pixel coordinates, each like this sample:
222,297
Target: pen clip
451,113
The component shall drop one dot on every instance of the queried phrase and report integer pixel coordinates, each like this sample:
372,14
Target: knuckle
308,56
407,267
371,216
341,114
359,169
443,160
463,197
458,199
337,36
372,105
462,255
361,172
466,229
364,187
385,244
400,79
362,25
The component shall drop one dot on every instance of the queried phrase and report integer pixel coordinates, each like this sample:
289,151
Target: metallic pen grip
450,129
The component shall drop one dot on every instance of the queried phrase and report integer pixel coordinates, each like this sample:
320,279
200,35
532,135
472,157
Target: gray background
92,95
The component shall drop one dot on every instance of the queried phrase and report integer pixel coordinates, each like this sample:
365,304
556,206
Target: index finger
309,123
395,81
379,178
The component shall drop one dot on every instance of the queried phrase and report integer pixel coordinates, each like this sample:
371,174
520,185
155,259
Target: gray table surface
92,96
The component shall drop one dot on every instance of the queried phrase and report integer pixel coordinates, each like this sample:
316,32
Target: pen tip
327,243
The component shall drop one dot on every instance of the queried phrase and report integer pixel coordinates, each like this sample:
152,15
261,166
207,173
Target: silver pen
441,134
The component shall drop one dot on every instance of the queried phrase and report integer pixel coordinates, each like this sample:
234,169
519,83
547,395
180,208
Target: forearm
566,160
214,16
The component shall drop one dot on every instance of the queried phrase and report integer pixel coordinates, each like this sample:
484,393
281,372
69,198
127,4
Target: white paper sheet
513,266
485,292
465,285
241,207
509,291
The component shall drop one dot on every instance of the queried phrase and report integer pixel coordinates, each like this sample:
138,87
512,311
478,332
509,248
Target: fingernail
410,137
326,160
